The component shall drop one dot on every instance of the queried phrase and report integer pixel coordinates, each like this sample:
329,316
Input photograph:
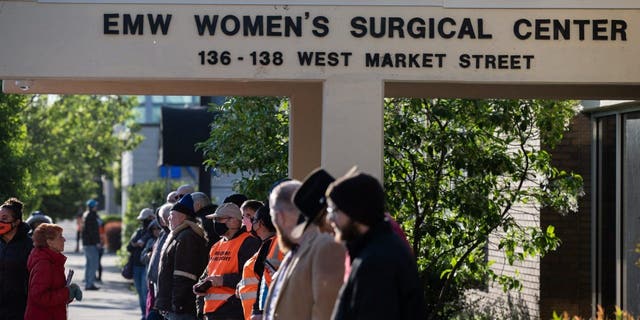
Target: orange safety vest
272,263
248,286
223,259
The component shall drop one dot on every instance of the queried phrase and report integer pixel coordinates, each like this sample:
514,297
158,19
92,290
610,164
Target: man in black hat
383,282
312,272
184,256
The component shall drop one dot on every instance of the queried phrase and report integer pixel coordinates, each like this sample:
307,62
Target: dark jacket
140,234
184,256
14,277
383,283
154,263
48,293
90,228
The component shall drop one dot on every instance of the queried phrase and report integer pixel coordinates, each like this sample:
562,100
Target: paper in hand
69,276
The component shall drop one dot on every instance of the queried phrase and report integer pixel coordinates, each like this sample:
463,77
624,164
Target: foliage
14,160
618,314
149,194
73,142
455,172
250,136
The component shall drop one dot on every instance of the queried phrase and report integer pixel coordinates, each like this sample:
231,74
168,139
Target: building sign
143,41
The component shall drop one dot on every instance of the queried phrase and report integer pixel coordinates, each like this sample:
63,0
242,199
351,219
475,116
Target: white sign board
298,42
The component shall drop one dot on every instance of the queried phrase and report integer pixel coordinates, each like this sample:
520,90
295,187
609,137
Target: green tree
14,160
456,171
250,136
74,141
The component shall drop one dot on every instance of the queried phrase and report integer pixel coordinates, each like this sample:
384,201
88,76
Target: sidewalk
114,300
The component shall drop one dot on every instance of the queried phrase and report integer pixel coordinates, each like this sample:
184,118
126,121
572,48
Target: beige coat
312,280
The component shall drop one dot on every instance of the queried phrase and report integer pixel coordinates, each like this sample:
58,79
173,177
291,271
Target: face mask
220,228
247,223
5,227
254,233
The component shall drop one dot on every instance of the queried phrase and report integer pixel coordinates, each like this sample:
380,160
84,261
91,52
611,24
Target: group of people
318,249
33,284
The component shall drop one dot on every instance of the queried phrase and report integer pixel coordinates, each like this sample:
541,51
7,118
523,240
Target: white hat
226,210
145,214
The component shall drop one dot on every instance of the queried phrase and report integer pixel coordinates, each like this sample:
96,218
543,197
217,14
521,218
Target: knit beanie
359,196
185,205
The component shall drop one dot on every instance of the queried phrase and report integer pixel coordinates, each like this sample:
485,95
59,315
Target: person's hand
216,281
198,294
75,292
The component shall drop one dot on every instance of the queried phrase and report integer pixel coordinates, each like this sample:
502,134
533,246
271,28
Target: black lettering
477,57
320,25
416,29
481,34
253,27
600,29
528,58
294,26
396,24
230,30
619,27
440,57
464,61
515,62
387,61
542,29
517,31
320,56
427,60
561,29
346,56
490,60
109,22
413,60
401,60
581,24
273,26
372,60
503,61
383,27
432,28
305,57
133,26
333,59
207,24
159,22
359,23
466,29
441,32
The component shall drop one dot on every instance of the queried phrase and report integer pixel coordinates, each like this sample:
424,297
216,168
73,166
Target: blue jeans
140,281
91,266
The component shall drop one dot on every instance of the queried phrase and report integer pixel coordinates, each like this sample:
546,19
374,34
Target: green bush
150,194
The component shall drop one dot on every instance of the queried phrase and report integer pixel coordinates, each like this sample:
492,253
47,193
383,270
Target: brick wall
565,278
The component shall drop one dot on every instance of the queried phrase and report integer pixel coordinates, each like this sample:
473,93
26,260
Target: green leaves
250,136
459,170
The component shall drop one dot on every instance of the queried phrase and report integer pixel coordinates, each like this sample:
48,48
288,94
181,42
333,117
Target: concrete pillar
305,129
352,132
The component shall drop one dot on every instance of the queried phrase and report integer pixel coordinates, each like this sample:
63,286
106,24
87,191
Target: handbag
127,270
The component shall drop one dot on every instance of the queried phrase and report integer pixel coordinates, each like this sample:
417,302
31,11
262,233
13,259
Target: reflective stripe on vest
223,259
274,258
248,286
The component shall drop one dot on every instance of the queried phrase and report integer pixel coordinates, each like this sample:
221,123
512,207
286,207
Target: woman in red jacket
48,291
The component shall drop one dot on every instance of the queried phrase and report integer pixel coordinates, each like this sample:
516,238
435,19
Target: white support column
352,124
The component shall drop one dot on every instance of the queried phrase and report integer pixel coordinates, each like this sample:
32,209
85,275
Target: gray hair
200,200
281,198
164,212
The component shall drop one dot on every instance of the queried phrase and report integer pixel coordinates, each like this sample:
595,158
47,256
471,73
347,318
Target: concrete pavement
116,300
